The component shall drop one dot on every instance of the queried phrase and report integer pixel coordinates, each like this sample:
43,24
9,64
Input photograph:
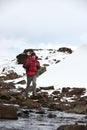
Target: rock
42,111
31,104
56,92
74,91
68,100
80,109
60,128
13,99
4,94
47,88
21,58
23,113
65,49
3,91
58,61
45,65
12,75
55,106
7,85
21,82
41,71
8,112
9,76
73,127
50,115
29,51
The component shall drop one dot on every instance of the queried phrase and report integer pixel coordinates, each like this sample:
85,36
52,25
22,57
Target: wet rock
72,127
8,112
60,128
23,113
40,112
50,115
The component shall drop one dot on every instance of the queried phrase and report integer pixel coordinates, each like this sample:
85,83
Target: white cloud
40,21
10,48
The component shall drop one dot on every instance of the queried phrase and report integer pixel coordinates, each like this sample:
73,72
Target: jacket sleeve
38,65
26,64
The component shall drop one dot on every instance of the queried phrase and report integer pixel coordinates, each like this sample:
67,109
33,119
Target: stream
50,120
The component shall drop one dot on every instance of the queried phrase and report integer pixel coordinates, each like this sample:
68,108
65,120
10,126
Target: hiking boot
34,94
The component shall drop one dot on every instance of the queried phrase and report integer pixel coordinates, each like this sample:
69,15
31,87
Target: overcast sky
46,23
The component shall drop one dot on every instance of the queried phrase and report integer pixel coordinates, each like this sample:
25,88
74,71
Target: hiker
32,66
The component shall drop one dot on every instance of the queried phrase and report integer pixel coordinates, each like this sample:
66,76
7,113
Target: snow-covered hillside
70,72
48,57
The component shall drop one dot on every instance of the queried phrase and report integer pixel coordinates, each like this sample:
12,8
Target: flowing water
50,120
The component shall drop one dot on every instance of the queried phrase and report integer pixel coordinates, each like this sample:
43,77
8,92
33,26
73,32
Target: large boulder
73,127
21,58
8,112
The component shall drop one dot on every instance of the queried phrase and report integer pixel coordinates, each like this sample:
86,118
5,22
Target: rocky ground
72,100
14,105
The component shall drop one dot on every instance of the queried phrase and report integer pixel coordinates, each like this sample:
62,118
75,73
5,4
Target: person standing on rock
32,65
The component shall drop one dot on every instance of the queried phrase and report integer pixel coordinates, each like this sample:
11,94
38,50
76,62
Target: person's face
33,56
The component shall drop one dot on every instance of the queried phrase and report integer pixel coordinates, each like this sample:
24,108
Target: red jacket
32,66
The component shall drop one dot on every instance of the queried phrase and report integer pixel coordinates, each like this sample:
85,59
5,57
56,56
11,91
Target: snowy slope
7,65
47,56
70,72
50,56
